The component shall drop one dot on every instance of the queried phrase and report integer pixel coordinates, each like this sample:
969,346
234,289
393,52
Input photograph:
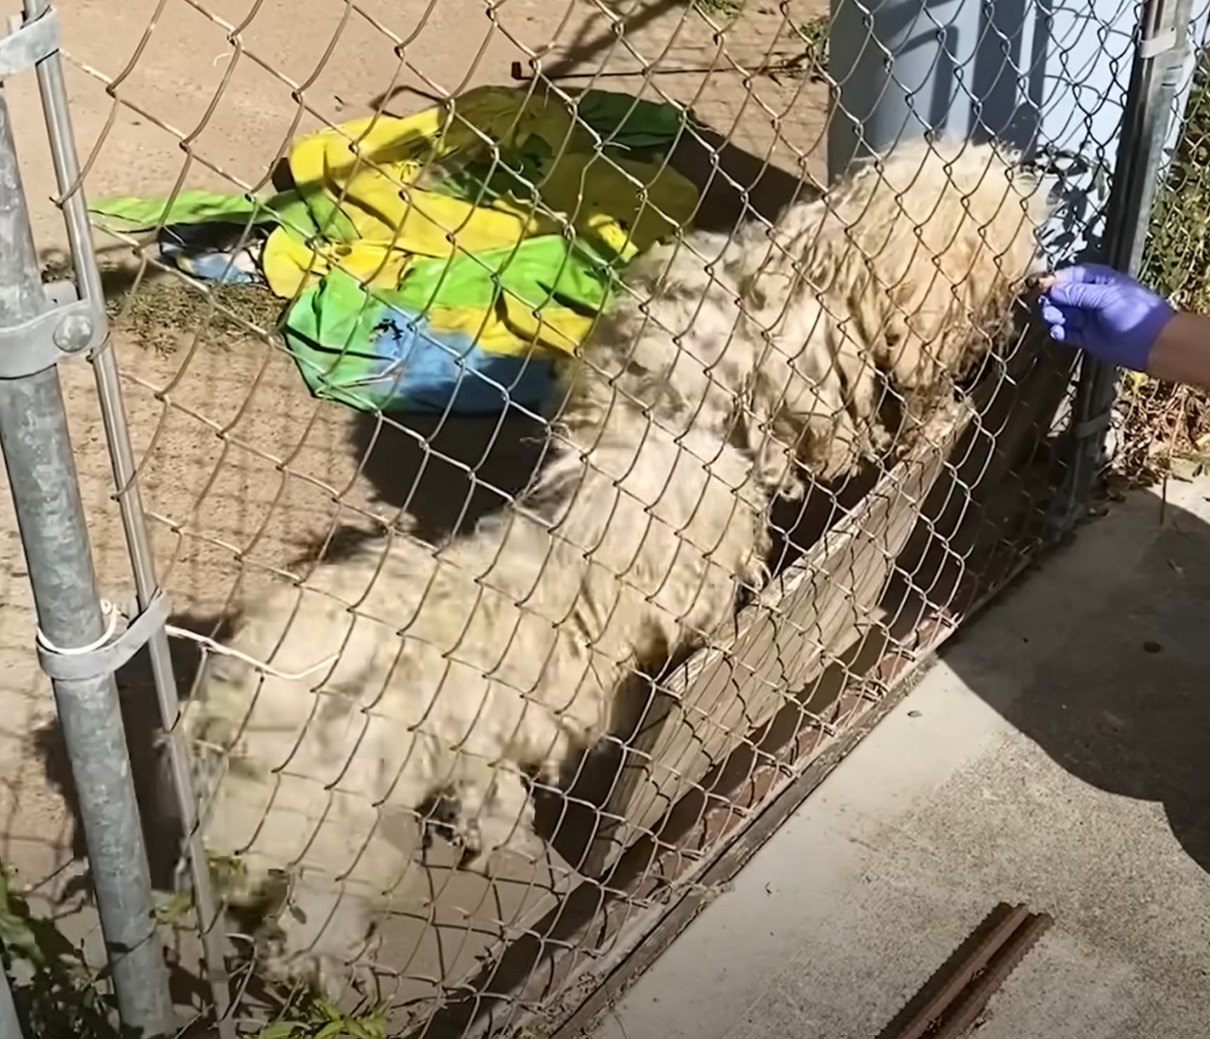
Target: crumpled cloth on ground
441,260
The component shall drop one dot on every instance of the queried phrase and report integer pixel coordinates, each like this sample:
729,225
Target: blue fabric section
212,252
441,370
409,367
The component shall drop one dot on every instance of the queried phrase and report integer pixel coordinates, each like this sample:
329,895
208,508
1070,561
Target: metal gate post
1159,61
76,638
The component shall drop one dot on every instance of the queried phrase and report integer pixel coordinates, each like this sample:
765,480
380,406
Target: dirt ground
244,475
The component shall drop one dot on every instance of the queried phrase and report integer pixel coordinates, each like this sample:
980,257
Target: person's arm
1181,352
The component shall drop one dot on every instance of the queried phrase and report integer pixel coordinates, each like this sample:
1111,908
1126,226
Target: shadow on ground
1124,703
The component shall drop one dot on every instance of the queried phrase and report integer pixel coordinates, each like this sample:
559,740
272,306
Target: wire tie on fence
111,651
227,651
1160,43
28,43
109,610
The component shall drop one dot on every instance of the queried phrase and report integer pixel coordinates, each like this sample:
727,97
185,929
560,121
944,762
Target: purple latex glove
1105,312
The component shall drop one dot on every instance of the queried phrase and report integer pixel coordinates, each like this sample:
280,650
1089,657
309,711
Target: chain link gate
339,331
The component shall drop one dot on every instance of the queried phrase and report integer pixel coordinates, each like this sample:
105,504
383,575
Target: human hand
1105,312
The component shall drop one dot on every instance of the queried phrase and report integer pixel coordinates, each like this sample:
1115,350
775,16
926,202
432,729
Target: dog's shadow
446,472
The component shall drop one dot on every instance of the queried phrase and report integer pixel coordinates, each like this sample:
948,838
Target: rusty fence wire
525,445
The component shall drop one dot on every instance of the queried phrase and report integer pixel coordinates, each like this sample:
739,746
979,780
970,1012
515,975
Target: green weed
59,996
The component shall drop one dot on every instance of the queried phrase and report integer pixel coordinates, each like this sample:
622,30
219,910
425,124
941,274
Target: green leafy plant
814,34
58,996
1165,421
719,8
1177,257
319,1019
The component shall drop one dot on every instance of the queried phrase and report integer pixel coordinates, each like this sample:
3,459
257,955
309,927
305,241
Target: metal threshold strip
953,999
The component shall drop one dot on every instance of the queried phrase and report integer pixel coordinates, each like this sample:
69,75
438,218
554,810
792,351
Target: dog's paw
439,818
879,440
327,960
793,487
285,967
498,830
442,816
323,975
473,858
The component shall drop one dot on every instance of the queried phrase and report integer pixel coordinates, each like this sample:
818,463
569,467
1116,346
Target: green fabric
627,122
336,314
188,207
375,349
537,272
510,176
333,328
313,214
303,214
623,122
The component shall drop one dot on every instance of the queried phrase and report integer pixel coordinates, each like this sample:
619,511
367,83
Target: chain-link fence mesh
1159,422
543,469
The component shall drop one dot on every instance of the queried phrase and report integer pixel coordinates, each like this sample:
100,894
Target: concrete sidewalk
1060,755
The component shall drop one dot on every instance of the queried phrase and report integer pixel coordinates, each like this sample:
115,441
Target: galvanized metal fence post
130,504
74,632
1149,118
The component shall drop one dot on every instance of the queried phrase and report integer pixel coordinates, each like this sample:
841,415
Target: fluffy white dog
406,677
885,293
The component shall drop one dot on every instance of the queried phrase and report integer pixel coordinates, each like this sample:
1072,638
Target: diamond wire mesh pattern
338,524
1155,424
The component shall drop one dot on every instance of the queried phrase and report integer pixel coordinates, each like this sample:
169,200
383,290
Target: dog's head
895,283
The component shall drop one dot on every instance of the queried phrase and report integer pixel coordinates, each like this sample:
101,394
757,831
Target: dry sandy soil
244,475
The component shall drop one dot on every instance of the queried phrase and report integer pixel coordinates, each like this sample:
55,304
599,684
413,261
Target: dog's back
927,247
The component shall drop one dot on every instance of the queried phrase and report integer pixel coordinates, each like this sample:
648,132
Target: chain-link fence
542,445
1156,422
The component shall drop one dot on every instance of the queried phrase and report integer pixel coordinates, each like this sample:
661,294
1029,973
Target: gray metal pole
46,498
113,414
1148,118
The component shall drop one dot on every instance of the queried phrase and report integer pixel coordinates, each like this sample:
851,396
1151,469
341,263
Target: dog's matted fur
451,672
886,291
403,675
